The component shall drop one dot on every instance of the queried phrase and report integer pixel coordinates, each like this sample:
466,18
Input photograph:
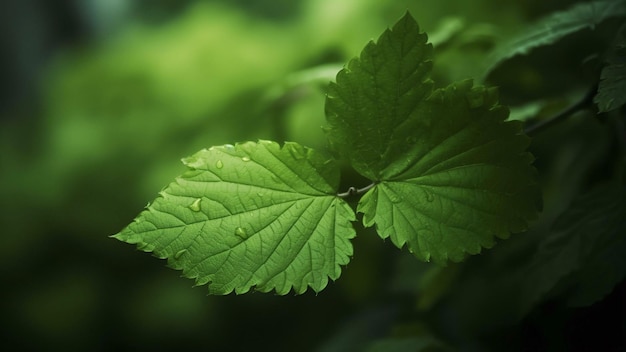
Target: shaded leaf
249,215
375,93
584,253
612,88
556,26
465,181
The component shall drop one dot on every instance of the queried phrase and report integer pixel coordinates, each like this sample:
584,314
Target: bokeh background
99,100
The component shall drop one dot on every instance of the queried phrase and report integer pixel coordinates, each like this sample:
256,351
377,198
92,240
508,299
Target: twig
583,103
352,191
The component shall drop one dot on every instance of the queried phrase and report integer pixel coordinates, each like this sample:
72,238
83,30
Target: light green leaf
374,95
612,88
466,180
584,253
556,26
251,215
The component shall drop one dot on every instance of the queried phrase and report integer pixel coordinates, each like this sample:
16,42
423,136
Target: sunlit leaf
251,215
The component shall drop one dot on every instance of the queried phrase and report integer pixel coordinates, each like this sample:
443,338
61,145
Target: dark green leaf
375,94
556,26
612,88
465,180
584,253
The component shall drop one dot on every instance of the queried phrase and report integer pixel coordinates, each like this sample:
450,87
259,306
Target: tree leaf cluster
449,175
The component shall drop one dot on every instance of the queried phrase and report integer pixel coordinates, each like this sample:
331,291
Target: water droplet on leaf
195,206
219,164
245,158
241,232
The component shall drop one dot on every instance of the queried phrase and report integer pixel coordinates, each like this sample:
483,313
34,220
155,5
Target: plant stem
355,191
582,104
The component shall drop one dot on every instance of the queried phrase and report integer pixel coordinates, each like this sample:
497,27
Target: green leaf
466,180
251,215
612,88
450,174
556,26
375,94
584,253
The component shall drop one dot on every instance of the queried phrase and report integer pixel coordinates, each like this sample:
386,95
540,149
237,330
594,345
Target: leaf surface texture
251,215
451,175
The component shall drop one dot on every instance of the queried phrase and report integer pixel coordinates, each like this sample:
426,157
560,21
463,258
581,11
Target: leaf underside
451,175
250,215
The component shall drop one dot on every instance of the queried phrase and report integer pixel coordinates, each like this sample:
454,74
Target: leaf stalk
353,191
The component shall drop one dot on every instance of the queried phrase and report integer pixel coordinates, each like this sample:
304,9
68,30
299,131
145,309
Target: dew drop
195,206
241,232
179,254
245,158
219,164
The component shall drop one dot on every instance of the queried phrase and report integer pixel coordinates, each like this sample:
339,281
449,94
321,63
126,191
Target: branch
582,104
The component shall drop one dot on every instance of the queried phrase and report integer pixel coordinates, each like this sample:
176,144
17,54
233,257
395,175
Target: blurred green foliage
116,114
